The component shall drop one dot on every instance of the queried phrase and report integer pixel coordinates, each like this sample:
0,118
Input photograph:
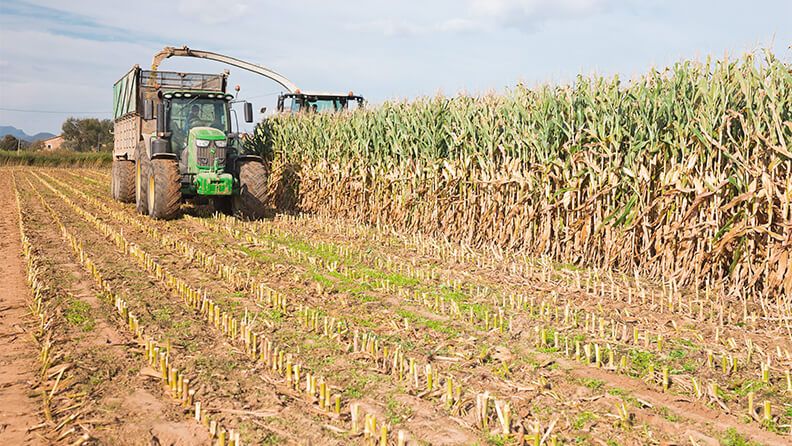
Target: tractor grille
207,159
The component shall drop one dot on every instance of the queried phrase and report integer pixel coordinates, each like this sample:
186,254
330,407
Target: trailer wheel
122,183
252,190
164,189
141,175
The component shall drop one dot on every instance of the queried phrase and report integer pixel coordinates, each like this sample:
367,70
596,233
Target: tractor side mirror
148,109
248,112
162,123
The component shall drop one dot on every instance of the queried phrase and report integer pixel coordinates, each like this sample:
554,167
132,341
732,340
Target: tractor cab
309,102
187,111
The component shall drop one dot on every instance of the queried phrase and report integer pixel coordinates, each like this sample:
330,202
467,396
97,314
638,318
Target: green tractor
174,141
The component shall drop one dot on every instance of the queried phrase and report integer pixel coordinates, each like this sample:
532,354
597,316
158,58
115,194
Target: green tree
87,135
10,142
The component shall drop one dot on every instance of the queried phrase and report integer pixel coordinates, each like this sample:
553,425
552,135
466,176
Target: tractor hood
207,133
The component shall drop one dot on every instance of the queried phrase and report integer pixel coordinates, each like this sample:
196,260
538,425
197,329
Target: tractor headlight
202,142
221,143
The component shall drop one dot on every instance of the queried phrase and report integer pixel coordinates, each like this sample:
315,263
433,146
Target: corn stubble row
595,353
158,354
282,362
569,317
60,409
389,359
683,173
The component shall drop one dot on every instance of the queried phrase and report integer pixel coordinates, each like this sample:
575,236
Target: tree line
79,135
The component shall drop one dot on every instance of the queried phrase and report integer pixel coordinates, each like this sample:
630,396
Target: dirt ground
392,293
19,406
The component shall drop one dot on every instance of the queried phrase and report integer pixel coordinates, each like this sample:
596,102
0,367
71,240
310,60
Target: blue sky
64,57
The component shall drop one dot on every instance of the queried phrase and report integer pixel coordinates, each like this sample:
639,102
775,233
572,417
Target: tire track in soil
18,364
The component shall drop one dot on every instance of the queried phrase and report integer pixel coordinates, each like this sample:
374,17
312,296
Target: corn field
681,175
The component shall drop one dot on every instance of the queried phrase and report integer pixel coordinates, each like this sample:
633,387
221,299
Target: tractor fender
249,158
242,158
160,156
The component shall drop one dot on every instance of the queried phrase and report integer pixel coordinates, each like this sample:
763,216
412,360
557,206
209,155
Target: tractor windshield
187,113
322,105
319,104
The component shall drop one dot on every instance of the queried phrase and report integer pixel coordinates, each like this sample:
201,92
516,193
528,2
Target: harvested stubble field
313,330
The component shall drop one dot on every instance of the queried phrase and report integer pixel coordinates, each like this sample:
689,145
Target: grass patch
689,366
321,279
78,313
498,440
582,419
667,414
624,395
392,278
732,438
426,322
452,294
748,386
593,384
164,314
326,252
396,412
62,158
642,361
677,354
275,315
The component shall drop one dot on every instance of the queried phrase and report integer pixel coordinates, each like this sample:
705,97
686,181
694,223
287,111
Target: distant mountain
20,134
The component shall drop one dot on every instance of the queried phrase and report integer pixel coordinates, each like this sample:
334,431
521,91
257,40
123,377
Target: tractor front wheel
252,190
164,189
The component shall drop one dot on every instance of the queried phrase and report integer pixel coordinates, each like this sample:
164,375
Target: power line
56,112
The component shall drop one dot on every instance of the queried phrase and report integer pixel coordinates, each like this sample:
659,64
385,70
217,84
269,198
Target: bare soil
18,365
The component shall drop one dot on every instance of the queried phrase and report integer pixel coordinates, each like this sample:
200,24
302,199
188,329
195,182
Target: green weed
78,313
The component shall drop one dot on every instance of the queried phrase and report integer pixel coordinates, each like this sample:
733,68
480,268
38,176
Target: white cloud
536,8
213,12
392,27
530,13
489,15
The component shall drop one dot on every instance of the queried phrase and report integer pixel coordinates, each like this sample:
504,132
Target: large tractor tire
164,189
142,164
122,183
252,190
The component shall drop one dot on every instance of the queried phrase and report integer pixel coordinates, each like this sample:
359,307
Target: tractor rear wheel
141,179
123,181
252,189
164,189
